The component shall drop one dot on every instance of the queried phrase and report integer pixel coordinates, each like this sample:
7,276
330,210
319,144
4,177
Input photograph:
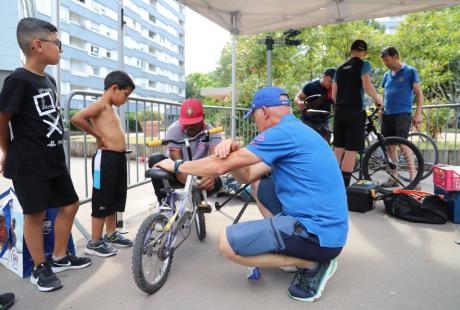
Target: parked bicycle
428,147
161,233
390,158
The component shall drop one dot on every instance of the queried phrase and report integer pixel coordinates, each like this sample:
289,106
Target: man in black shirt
34,157
317,95
351,80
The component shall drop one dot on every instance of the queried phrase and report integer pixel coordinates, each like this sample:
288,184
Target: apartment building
153,44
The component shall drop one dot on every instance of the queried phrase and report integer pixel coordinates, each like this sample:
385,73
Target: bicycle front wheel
396,164
429,150
152,258
200,223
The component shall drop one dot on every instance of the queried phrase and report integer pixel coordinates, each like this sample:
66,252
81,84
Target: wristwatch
177,163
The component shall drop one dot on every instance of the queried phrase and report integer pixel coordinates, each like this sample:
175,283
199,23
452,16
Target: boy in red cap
190,123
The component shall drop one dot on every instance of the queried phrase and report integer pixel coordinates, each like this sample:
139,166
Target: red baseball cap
191,112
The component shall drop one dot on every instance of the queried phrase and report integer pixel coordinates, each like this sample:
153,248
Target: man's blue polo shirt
307,178
398,90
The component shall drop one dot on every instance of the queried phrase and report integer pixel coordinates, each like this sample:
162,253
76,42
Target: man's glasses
57,42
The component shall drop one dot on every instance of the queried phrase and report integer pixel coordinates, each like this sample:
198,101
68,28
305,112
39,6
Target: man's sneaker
44,278
69,262
99,248
117,239
308,285
253,273
6,301
390,183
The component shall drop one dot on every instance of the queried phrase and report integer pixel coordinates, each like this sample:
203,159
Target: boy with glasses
34,156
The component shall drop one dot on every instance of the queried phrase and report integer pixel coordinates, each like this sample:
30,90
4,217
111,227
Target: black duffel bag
417,207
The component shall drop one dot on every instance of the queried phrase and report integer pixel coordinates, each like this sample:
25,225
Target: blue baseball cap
267,97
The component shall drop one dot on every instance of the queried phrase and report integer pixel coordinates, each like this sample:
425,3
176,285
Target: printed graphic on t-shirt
46,108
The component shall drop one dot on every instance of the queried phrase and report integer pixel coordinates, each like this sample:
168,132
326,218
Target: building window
109,54
94,50
96,70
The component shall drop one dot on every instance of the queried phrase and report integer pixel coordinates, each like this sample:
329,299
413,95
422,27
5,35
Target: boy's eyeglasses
57,42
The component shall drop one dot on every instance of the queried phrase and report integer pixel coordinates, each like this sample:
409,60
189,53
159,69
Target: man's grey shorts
280,234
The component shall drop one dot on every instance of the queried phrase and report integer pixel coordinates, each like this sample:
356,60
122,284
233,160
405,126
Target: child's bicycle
161,233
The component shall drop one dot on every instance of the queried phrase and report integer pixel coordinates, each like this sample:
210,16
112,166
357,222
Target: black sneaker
308,285
69,262
117,239
44,278
99,248
6,301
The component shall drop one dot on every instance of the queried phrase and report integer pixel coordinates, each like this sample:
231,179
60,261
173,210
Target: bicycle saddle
158,173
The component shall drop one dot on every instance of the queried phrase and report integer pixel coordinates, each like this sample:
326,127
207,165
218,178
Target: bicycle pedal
205,208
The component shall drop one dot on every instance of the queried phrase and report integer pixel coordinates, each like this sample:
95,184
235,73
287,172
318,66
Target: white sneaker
289,269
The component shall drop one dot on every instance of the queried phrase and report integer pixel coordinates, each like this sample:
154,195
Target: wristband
177,163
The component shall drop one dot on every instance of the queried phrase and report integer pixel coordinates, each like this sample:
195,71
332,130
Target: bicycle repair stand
219,206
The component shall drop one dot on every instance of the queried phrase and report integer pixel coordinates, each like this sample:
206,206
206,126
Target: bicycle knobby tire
371,154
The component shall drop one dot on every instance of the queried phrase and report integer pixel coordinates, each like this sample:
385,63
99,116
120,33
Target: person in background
351,81
400,83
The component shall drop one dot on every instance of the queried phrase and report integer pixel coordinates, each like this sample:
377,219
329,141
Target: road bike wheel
151,259
407,170
200,223
429,150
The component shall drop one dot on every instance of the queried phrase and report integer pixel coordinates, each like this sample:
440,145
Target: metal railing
442,122
144,119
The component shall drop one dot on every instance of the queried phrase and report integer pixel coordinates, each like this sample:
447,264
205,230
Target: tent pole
233,86
234,33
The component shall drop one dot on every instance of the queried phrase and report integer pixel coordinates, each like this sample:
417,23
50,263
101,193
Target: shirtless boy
109,163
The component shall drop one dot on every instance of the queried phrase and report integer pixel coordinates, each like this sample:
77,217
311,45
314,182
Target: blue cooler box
453,200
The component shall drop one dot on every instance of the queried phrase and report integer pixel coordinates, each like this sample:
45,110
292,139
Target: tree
429,41
195,82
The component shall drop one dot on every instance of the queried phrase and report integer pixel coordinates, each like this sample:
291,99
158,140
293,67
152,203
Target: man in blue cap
305,224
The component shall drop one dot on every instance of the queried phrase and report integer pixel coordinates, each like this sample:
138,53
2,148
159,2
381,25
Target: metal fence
142,119
442,122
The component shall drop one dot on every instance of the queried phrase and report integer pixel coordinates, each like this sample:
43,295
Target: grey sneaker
308,285
44,278
99,248
117,239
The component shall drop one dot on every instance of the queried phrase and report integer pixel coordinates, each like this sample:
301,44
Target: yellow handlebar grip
153,143
216,130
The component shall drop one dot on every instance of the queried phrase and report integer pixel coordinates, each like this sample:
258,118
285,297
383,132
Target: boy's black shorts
109,183
349,129
37,196
396,125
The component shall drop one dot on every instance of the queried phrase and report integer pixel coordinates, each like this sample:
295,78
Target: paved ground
387,264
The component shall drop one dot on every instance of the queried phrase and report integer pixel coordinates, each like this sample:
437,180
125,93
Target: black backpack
417,207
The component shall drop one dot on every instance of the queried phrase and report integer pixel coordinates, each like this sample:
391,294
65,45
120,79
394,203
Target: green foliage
147,116
429,41
195,82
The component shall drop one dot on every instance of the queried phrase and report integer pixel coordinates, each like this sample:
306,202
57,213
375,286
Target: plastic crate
447,177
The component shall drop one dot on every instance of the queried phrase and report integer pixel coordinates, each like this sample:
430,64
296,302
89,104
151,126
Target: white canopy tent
254,16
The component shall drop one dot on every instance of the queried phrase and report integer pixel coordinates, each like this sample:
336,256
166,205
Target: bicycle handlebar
159,142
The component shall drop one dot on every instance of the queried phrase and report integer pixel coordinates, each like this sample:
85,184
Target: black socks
346,178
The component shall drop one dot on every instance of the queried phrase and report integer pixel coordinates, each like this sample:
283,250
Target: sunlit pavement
387,264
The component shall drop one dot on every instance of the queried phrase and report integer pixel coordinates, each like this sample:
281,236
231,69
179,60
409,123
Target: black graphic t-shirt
36,151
